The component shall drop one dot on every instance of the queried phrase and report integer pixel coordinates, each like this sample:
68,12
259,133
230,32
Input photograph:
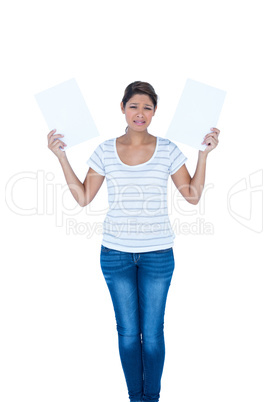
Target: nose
139,112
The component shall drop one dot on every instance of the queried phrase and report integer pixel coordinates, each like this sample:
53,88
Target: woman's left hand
211,140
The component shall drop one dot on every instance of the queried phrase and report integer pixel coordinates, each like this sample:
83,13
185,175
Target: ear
122,107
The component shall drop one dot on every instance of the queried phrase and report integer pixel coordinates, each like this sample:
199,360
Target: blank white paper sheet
198,110
65,110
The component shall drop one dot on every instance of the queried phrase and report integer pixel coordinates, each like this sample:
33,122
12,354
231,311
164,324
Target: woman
137,247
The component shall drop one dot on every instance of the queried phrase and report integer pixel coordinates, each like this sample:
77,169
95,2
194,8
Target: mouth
139,122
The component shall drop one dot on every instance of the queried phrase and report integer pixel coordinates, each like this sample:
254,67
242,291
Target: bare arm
191,188
82,192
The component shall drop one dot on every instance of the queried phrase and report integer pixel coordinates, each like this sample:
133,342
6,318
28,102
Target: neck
136,137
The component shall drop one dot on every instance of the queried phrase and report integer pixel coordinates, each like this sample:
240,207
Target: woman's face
139,111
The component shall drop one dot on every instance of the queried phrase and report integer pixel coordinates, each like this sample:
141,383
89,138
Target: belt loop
136,257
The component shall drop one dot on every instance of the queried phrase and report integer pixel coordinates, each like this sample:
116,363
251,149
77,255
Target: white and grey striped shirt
137,220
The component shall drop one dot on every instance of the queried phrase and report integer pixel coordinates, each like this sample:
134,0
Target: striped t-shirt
137,219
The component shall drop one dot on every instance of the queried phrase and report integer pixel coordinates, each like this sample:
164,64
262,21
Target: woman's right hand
54,144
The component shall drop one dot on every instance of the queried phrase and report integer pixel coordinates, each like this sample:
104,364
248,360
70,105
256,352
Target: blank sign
65,110
198,110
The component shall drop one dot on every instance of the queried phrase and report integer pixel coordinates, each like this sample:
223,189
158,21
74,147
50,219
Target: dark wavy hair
139,87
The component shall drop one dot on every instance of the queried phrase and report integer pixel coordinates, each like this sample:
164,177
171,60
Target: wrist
202,156
62,158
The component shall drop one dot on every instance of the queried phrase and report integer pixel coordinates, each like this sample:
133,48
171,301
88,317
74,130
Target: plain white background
58,333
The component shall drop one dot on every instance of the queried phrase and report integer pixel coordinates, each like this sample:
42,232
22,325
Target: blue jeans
138,284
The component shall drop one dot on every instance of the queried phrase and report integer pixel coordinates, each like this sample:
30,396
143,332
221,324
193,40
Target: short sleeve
176,158
96,160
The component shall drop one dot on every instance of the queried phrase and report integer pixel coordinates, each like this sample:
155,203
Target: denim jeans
138,285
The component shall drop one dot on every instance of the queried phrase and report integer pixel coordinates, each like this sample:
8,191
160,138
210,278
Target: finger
216,130
56,144
51,133
56,136
210,137
53,138
211,141
212,133
214,137
61,143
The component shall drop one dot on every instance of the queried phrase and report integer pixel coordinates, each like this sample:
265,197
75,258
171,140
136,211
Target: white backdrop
58,334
